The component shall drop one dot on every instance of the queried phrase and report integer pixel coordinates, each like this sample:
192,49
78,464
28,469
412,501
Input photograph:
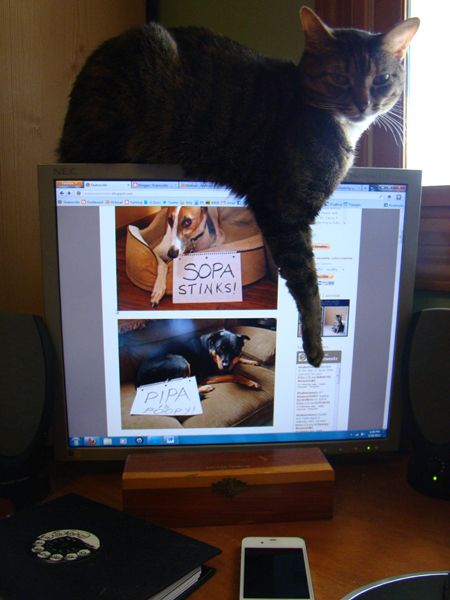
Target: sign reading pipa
177,397
212,277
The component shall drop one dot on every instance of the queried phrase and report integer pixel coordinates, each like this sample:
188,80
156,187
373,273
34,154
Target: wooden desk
381,528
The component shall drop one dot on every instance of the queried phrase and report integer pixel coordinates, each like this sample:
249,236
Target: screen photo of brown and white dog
218,241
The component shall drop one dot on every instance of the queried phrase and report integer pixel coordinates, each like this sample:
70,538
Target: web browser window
222,279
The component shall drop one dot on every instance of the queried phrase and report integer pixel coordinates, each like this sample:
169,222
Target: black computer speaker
27,388
427,379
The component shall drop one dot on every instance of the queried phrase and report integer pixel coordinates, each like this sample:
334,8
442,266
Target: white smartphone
275,568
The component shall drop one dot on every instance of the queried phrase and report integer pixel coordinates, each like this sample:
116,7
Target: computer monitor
131,361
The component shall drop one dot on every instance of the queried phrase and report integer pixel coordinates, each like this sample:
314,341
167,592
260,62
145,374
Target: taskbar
133,441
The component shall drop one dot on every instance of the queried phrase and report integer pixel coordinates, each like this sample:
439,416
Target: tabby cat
280,134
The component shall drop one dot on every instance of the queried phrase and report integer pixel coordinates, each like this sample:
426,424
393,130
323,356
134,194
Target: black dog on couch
209,357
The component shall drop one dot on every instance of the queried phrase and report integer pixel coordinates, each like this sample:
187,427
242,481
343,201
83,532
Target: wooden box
216,487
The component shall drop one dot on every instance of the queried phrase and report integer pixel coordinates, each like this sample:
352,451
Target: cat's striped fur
280,134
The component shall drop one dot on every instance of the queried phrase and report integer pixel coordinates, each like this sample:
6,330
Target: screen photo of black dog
231,360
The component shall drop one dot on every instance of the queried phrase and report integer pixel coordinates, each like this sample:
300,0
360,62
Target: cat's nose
362,103
363,106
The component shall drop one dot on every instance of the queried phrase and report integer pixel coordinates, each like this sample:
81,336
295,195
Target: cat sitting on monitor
280,134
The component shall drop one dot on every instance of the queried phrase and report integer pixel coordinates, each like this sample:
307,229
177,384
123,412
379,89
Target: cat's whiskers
391,122
396,113
397,109
388,127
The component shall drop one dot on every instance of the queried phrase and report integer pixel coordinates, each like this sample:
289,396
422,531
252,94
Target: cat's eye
382,79
339,79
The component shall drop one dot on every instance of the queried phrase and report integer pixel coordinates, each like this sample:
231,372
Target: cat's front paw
313,351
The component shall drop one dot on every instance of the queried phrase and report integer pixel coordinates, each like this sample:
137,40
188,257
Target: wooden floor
261,295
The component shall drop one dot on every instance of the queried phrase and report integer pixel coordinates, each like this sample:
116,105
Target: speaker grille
23,383
429,375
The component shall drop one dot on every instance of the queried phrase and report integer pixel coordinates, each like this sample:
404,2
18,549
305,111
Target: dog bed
241,235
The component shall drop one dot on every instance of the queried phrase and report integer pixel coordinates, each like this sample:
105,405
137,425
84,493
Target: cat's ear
317,33
397,40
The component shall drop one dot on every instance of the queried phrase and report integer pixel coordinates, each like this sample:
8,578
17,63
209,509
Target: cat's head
354,74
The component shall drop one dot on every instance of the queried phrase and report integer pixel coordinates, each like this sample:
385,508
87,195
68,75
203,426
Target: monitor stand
189,488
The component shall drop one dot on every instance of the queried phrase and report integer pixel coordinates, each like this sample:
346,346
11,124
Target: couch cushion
233,405
228,405
261,345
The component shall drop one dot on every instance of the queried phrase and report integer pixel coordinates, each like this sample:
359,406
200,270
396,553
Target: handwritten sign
177,397
212,277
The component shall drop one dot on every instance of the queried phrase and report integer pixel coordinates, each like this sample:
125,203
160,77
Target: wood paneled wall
433,258
43,45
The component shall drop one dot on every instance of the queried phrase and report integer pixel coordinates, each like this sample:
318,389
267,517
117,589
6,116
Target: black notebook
73,548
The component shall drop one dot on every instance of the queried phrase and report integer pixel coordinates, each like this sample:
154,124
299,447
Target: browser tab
197,185
353,187
145,185
108,185
69,183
